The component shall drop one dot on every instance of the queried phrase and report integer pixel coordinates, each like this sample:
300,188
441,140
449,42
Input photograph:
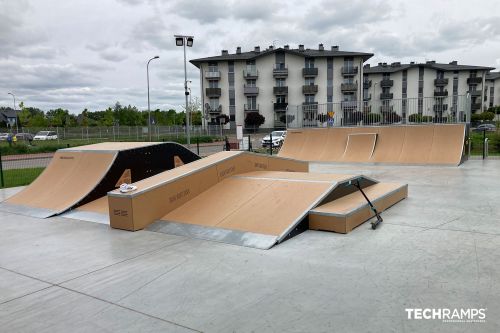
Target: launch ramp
80,175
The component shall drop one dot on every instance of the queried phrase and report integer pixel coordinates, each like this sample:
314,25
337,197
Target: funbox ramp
81,175
241,198
435,144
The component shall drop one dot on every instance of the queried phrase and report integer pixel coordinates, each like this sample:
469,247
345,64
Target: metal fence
441,109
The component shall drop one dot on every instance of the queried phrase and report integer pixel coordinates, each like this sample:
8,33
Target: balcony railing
440,107
475,93
250,73
440,82
251,107
349,105
438,93
349,86
310,106
350,70
309,71
386,95
386,83
213,109
310,88
250,90
280,70
475,106
212,75
367,84
386,108
280,106
280,90
474,80
213,92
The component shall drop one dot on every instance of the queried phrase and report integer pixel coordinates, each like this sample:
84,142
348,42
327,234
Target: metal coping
87,216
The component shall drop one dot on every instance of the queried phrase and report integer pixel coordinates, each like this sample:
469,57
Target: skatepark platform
435,144
78,176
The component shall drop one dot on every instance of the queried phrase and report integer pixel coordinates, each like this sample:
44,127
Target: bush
418,118
392,117
222,119
488,116
254,119
371,118
356,116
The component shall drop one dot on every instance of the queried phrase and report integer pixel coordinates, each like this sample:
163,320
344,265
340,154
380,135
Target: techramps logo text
457,315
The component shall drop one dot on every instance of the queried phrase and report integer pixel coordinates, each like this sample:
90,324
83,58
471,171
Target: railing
475,106
443,93
349,86
250,73
310,88
250,90
280,70
449,109
280,90
212,75
251,107
217,109
349,70
280,106
474,80
440,82
309,71
386,95
386,83
475,93
213,92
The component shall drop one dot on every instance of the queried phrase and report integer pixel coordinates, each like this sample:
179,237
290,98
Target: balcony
438,93
367,98
310,106
349,105
212,75
250,90
350,70
250,73
310,89
440,107
251,107
280,90
386,95
475,106
474,80
440,82
309,72
280,106
280,70
213,92
386,83
367,84
386,108
213,109
349,86
475,93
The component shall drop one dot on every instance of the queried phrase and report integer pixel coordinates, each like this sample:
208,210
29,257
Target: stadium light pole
15,112
181,40
149,109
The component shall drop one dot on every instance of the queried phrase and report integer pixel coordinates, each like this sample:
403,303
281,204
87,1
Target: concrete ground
440,248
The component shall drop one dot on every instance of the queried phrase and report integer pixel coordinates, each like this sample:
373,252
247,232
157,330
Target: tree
57,117
254,119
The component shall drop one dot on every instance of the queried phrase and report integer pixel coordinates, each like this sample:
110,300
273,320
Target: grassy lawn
477,143
20,177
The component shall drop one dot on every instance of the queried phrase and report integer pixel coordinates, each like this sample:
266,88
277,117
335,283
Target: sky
92,53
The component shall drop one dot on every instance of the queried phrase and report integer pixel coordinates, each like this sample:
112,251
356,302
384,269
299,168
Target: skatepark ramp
244,199
81,175
435,144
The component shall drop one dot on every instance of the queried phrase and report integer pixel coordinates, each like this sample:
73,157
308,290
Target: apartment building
267,81
429,88
492,90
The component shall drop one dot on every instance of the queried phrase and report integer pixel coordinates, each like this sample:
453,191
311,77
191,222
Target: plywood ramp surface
259,206
359,147
67,179
301,176
447,144
112,146
94,211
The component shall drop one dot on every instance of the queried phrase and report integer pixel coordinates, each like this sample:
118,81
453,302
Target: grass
20,177
477,143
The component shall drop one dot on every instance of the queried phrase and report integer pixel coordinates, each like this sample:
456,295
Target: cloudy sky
91,53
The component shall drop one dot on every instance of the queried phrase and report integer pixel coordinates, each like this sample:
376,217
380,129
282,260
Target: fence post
1,171
271,143
198,145
484,143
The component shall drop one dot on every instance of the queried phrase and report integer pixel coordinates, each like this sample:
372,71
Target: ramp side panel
389,144
360,147
285,164
417,145
334,147
447,144
293,144
67,179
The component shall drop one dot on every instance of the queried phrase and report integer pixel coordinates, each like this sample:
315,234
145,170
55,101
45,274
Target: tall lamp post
181,40
149,109
15,112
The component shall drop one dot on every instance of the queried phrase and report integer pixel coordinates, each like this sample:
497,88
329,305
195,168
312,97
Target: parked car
277,136
486,127
4,136
24,136
45,135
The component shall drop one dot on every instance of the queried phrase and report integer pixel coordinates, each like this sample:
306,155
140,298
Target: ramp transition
436,144
79,176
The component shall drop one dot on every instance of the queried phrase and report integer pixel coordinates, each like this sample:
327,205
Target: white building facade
270,80
492,90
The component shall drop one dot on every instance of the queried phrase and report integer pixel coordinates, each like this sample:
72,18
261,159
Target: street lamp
149,109
15,112
181,40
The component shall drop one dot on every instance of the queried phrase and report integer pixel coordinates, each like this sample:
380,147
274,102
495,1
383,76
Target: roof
8,113
396,67
493,76
305,53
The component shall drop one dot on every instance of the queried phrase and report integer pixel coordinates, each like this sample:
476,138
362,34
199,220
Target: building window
213,102
281,99
251,83
309,81
252,102
230,66
386,76
329,83
280,82
213,84
309,99
309,62
329,63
